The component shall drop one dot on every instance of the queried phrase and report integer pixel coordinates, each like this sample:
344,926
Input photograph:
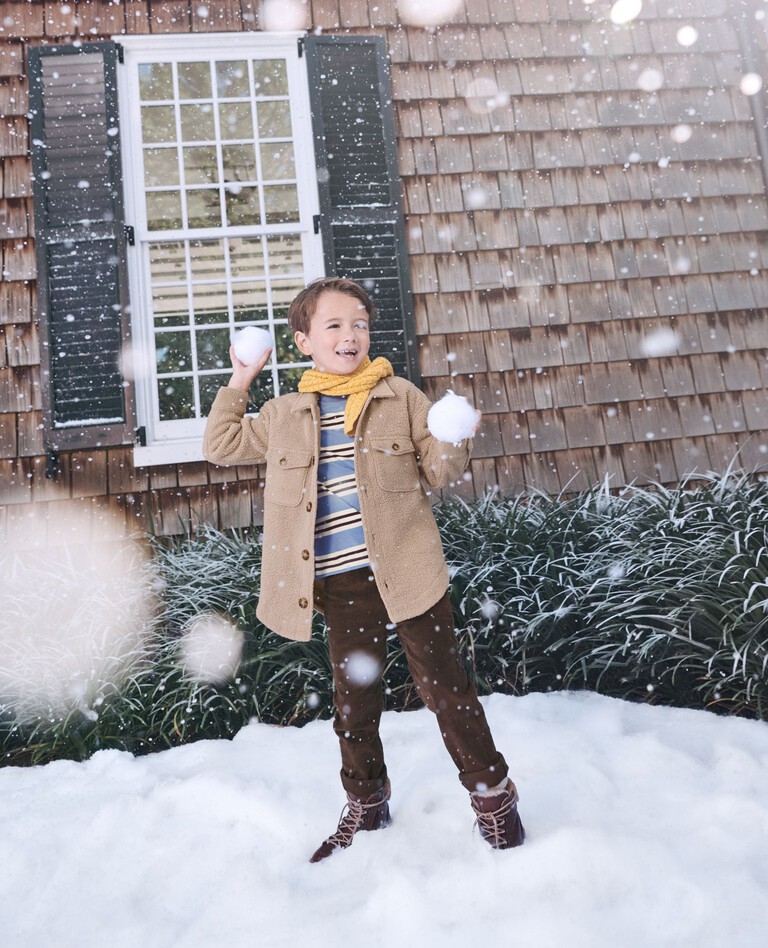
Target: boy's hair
302,309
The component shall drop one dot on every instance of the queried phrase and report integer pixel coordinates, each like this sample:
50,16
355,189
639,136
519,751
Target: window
189,191
221,193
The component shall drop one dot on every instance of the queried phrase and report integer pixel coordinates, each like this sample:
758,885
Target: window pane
242,205
283,291
200,165
285,256
274,119
206,258
197,123
173,351
209,387
249,302
161,167
203,208
277,161
210,304
261,391
163,210
155,81
285,346
170,306
212,348
176,398
239,162
246,256
270,77
232,79
158,123
289,379
195,80
281,204
167,261
236,120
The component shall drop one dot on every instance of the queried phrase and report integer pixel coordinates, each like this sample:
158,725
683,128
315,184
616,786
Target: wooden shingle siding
558,218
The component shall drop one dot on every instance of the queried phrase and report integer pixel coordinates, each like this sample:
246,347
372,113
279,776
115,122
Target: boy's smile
339,334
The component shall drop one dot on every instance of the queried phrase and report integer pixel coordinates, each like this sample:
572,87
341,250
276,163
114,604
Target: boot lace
352,818
492,824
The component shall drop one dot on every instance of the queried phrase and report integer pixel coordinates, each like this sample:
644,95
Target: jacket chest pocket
287,477
394,460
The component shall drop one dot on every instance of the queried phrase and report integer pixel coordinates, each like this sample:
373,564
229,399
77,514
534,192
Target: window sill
173,452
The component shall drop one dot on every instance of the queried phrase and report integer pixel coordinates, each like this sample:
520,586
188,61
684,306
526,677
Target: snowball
452,419
211,646
662,342
751,83
428,12
78,603
251,343
362,669
623,11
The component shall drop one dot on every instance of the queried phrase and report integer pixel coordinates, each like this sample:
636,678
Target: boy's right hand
242,374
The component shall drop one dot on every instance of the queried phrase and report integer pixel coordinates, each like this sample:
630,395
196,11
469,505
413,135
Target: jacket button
309,506
305,554
303,603
282,462
395,447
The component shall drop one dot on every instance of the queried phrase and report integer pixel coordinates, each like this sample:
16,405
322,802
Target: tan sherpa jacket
392,449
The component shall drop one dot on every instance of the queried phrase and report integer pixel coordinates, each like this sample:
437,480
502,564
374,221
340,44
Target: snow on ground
645,826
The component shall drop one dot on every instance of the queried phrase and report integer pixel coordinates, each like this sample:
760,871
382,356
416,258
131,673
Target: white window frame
181,441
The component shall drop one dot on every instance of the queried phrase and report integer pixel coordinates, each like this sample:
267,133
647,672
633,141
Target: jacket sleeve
441,463
231,438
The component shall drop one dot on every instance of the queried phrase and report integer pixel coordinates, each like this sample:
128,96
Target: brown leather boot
360,813
497,817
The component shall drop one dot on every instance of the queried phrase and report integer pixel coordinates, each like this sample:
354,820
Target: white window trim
138,49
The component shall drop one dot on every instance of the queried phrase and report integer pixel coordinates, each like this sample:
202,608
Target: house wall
558,218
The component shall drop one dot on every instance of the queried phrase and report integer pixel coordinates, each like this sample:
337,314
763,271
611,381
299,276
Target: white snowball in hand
251,343
451,419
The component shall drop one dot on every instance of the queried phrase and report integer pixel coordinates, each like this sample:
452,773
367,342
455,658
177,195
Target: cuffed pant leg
357,639
430,645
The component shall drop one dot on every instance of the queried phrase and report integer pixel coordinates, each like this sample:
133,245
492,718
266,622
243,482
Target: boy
348,527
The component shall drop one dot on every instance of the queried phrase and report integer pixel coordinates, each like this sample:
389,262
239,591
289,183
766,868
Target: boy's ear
302,343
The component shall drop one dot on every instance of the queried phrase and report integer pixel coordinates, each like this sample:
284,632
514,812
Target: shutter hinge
130,235
300,43
316,223
51,464
141,436
120,52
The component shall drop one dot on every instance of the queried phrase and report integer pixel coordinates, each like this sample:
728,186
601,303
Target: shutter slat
79,229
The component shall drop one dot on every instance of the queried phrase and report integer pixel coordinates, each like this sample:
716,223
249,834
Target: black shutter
361,216
79,232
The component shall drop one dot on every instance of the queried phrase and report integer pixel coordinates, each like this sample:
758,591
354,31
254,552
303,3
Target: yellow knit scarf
356,386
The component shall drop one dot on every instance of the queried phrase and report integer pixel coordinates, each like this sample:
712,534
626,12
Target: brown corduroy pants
358,626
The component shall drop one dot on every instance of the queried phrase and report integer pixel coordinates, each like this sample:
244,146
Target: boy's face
339,334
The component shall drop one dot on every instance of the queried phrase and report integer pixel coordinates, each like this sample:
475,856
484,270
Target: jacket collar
306,400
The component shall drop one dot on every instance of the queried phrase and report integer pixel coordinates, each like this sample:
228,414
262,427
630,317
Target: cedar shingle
741,370
583,426
468,353
707,373
453,155
755,411
11,58
19,260
452,273
446,193
535,349
520,393
577,470
170,16
489,153
588,303
541,470
514,433
546,430
612,383
14,218
498,350
495,229
490,392
432,355
22,345
732,291
30,428
8,443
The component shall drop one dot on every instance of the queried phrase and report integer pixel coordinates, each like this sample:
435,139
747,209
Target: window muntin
220,169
